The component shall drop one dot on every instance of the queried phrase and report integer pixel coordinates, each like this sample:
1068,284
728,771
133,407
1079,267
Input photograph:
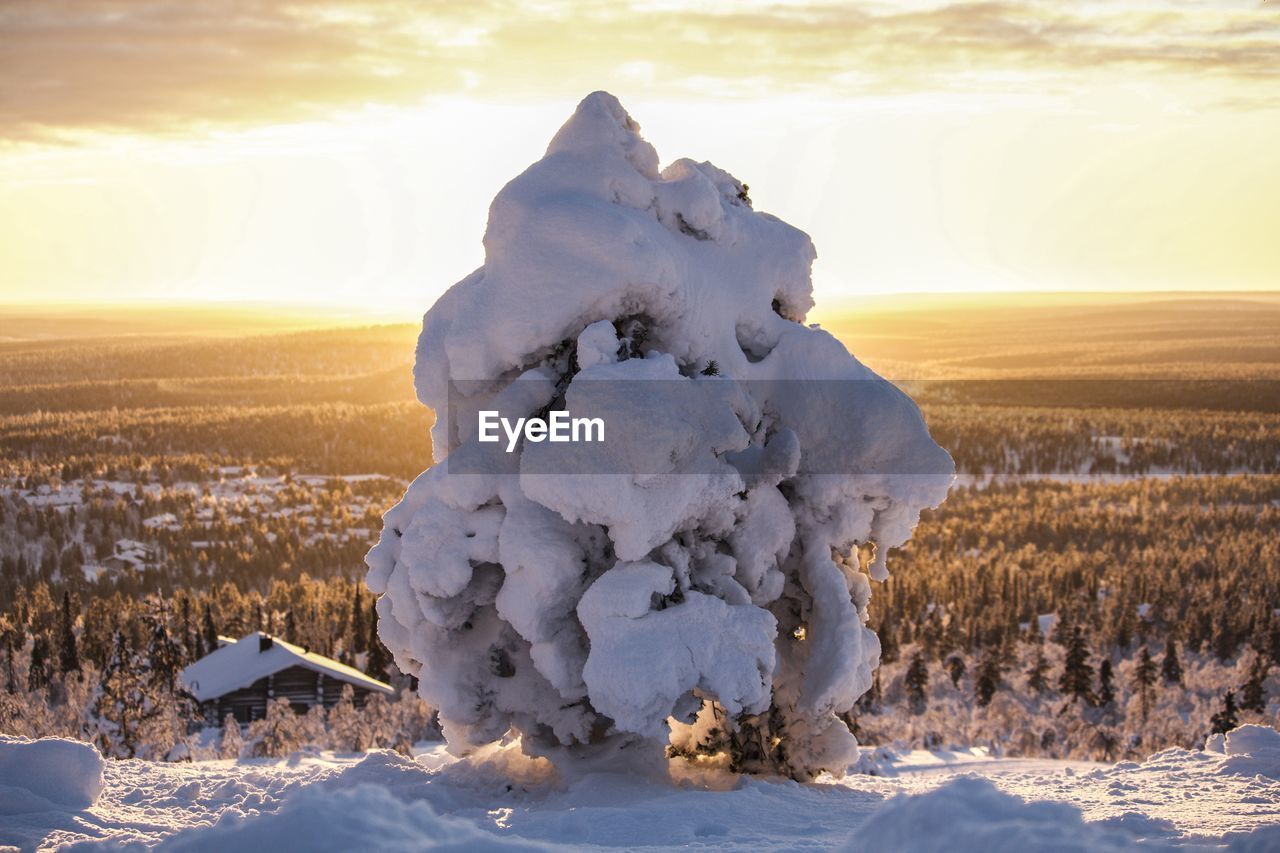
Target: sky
345,153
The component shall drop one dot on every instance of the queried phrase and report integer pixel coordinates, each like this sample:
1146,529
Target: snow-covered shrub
230,741
710,560
277,734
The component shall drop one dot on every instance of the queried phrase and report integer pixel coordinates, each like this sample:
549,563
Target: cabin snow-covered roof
241,663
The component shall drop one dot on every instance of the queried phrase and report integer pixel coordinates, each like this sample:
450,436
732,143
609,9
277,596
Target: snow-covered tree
378,721
1038,670
231,743
314,727
712,557
348,730
277,734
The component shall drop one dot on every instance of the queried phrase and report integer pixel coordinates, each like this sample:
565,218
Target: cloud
183,66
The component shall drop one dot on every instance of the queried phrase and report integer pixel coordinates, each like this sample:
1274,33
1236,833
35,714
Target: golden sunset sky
346,152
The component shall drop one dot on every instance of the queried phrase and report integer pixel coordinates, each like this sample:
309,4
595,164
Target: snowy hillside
58,792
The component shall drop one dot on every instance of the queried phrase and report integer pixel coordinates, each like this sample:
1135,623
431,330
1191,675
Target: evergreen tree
1034,634
1106,686
68,652
38,669
1077,674
359,631
955,669
10,665
989,678
1038,672
1225,640
1253,695
1225,720
379,659
210,630
125,705
1171,667
888,635
190,639
1144,677
916,682
164,654
231,742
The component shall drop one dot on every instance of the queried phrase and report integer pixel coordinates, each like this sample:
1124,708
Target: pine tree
68,652
379,659
916,682
190,640
1253,695
210,631
1077,674
359,631
1225,720
164,654
1171,667
1038,672
38,669
888,635
1106,687
125,705
955,669
10,665
989,678
1144,677
1034,634
231,742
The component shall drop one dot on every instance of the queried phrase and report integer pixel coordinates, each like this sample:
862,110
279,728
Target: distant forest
1103,582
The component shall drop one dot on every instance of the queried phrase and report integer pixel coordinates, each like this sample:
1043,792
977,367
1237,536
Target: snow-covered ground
50,795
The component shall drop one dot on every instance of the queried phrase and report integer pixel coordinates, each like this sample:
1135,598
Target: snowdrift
971,814
51,774
499,798
707,564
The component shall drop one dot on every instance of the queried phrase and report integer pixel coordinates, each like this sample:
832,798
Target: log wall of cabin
304,688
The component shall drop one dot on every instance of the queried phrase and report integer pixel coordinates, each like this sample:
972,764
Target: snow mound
714,552
361,818
972,814
1249,750
49,774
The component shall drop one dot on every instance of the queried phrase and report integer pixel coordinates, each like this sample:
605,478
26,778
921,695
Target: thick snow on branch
704,557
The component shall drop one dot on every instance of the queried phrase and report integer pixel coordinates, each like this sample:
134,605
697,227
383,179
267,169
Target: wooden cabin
242,676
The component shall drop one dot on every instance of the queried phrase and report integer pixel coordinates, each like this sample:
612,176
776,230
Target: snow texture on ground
501,799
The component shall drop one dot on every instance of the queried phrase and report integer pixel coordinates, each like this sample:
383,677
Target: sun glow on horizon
981,166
